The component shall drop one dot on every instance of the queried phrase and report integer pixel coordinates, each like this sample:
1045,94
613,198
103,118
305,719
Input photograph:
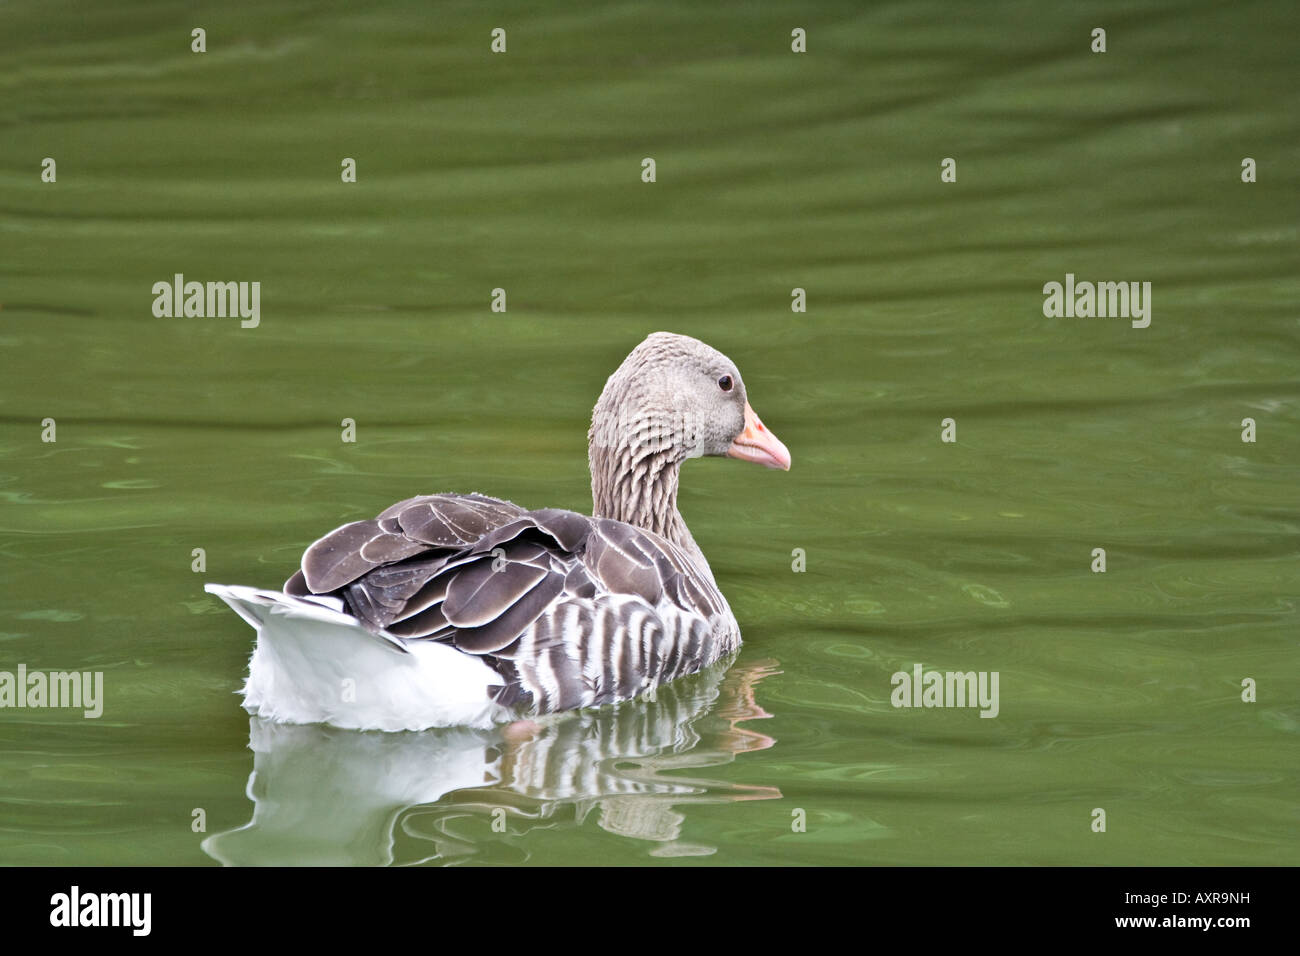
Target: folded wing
572,611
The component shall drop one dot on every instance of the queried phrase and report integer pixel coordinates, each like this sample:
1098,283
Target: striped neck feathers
634,475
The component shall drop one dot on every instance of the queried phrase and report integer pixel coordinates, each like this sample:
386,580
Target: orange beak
759,445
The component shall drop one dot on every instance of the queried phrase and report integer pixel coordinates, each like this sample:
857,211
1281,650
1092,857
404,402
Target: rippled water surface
1119,691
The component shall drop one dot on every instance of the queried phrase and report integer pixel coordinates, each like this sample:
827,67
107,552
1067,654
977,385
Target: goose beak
759,445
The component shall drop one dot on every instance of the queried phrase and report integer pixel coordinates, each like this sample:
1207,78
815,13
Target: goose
468,610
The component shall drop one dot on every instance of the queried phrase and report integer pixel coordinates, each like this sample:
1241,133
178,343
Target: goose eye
725,383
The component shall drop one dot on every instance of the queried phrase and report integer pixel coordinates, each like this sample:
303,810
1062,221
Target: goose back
571,611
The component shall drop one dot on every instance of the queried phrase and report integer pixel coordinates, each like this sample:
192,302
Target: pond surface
1119,690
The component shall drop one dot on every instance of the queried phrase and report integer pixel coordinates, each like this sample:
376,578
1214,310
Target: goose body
463,609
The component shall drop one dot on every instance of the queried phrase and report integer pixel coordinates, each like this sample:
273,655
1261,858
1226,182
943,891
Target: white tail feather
315,664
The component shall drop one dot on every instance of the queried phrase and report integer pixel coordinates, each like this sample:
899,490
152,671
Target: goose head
673,398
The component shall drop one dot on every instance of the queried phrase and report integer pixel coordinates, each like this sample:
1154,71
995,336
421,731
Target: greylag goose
460,609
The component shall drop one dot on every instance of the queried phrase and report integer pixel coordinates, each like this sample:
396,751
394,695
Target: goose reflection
325,796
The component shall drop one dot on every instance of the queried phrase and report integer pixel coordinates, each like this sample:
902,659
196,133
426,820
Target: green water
1120,691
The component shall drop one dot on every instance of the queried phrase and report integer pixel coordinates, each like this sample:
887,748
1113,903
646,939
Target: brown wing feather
469,569
336,559
478,572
